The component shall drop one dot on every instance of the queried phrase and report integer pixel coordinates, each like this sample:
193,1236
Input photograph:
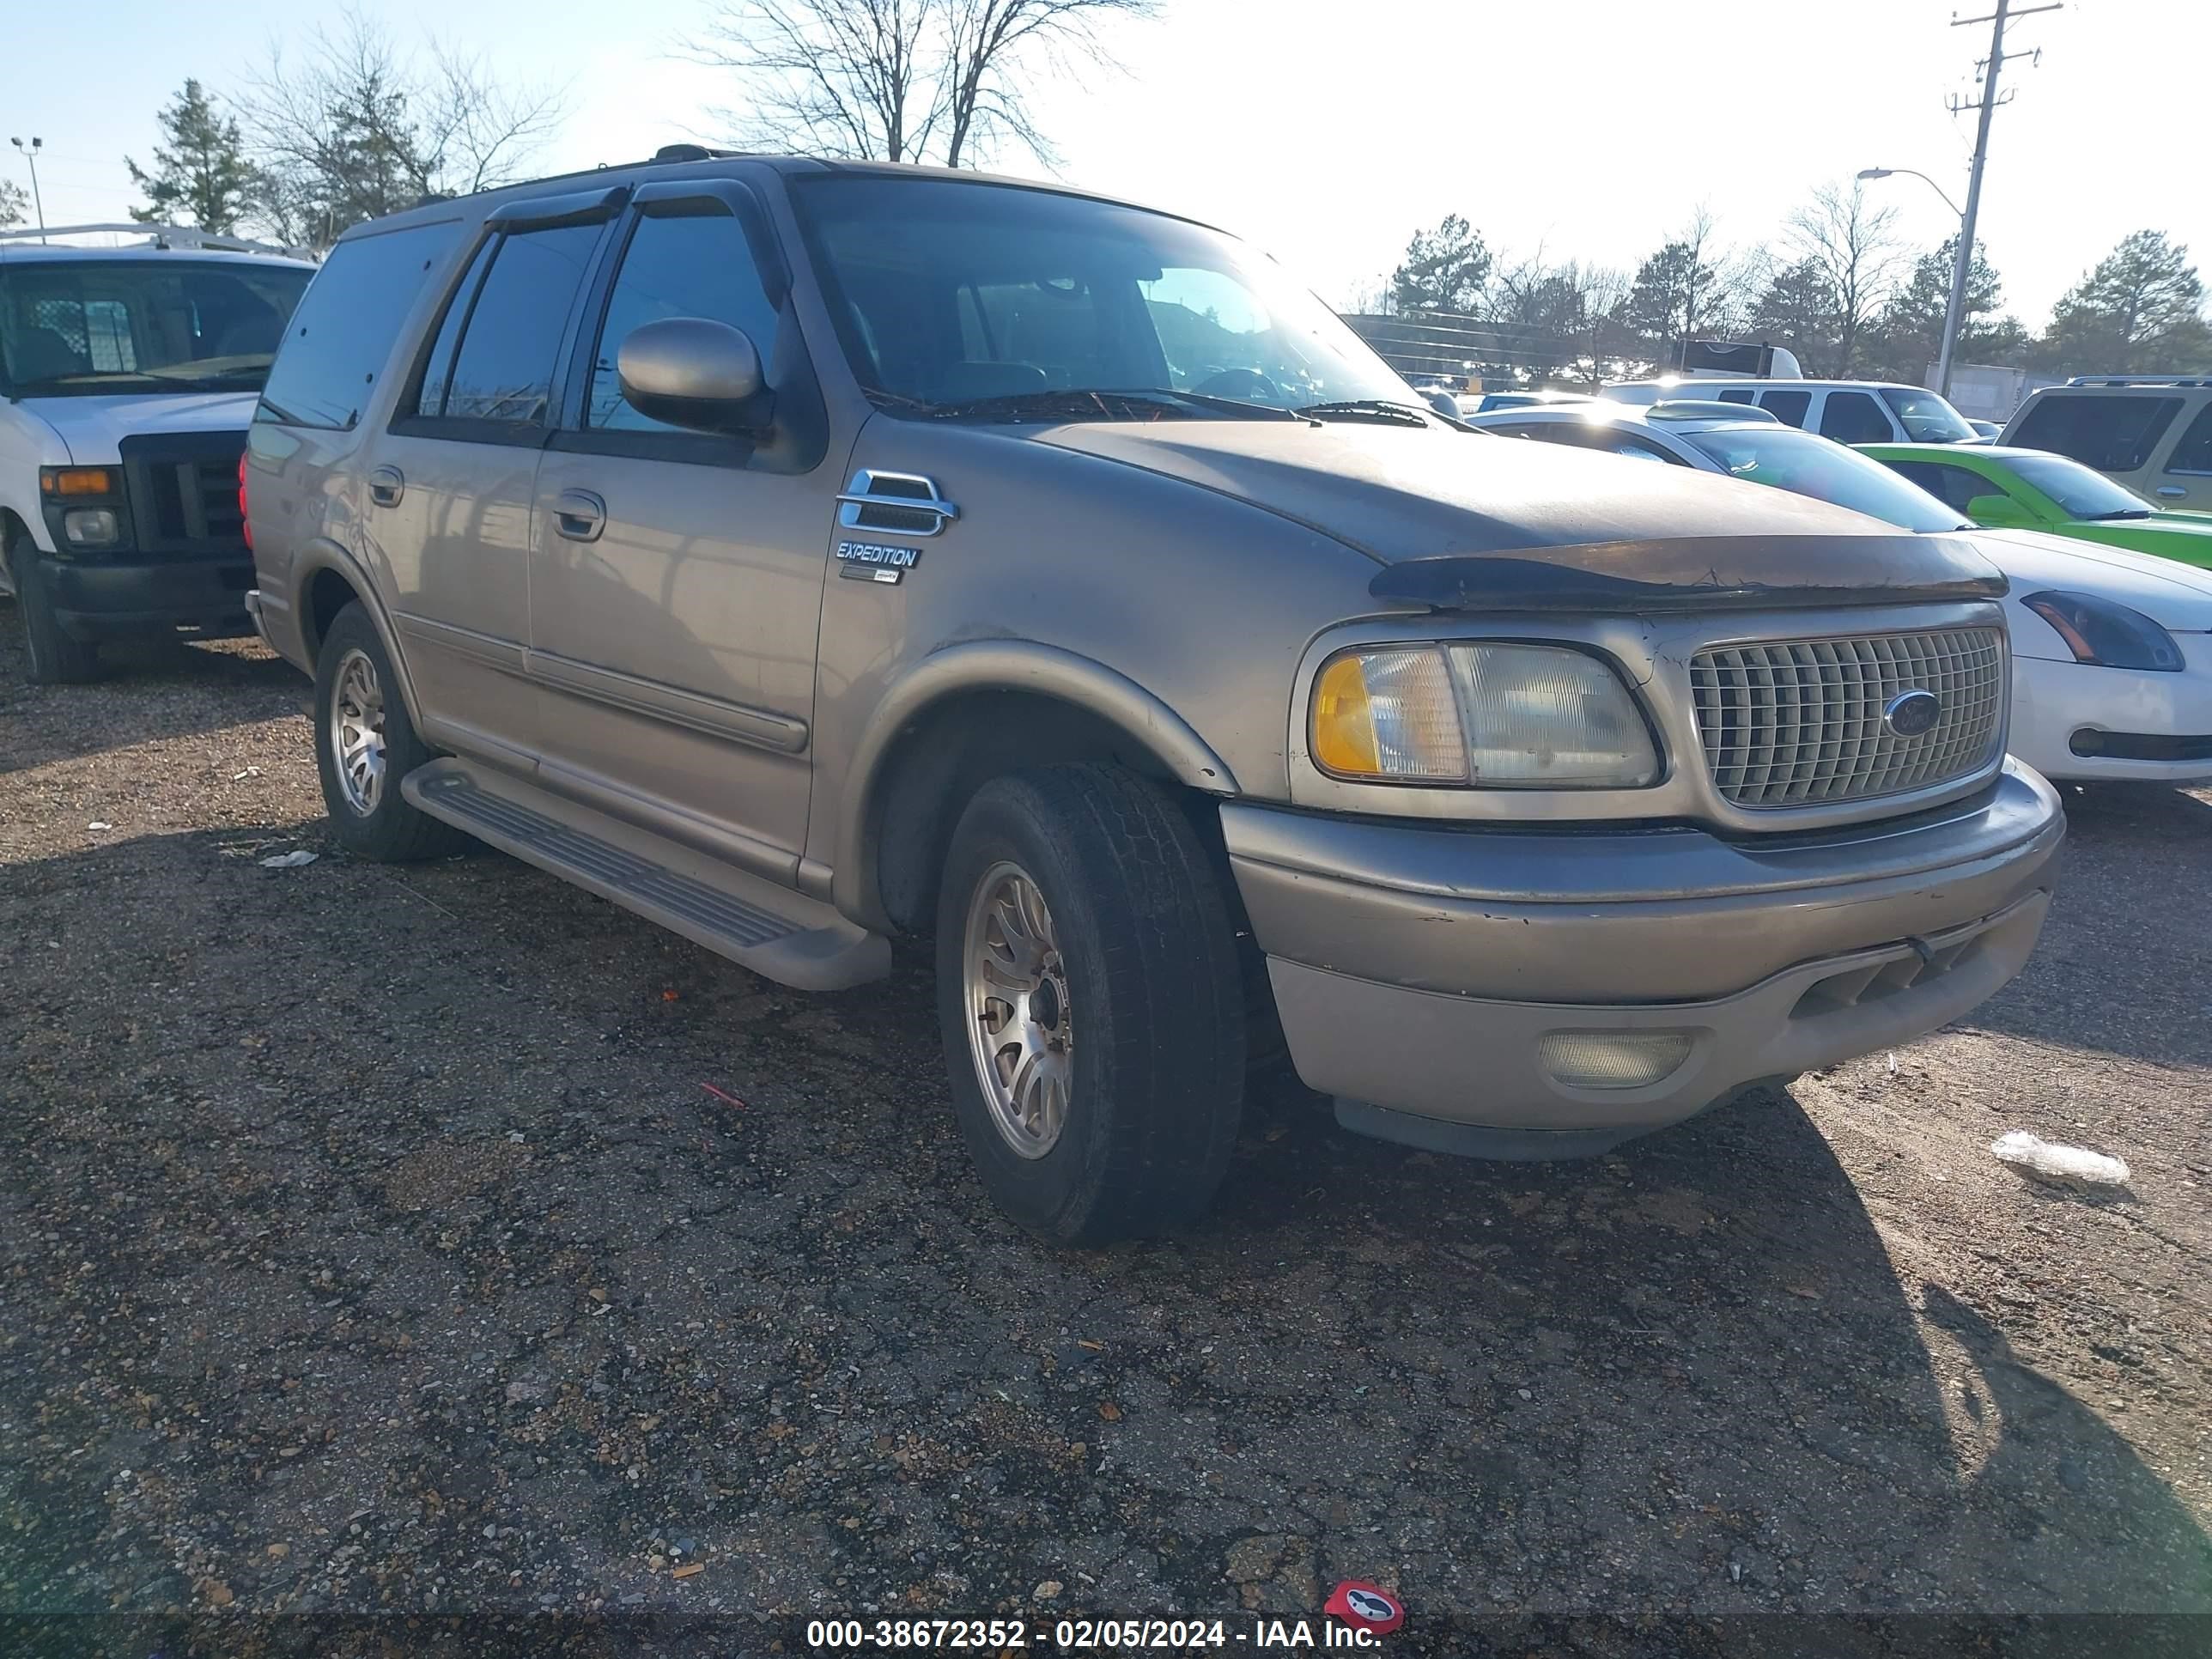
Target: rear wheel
366,745
1092,1009
52,657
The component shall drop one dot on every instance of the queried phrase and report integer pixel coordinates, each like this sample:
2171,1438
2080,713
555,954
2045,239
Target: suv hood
2178,596
91,428
1467,519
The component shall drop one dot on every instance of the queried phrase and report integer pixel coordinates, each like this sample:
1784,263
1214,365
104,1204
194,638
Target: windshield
950,295
83,327
2079,492
1806,464
1927,419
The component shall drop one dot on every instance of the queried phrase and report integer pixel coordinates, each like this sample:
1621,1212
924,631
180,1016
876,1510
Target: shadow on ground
147,690
369,1239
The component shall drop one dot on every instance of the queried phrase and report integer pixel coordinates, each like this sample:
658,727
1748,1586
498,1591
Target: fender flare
323,553
1006,664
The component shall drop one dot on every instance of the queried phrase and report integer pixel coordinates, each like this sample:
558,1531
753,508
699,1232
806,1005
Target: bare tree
941,80
354,129
993,47
1853,251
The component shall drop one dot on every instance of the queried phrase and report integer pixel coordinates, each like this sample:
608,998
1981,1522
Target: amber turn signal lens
1387,714
77,480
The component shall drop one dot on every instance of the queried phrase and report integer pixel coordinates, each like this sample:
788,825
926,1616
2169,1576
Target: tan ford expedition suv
803,555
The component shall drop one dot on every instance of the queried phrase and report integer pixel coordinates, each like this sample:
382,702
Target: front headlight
1493,716
2097,630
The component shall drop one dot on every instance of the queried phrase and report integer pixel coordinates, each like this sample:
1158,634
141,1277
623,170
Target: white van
128,376
1849,412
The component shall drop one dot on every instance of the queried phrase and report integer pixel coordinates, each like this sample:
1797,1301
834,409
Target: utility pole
32,155
1953,313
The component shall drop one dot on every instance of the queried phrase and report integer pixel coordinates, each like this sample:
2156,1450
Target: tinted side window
2192,451
1853,417
2112,435
338,339
692,266
1787,407
1955,486
1736,394
504,369
431,399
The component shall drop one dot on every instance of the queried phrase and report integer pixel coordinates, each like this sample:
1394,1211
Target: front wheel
51,656
1092,1008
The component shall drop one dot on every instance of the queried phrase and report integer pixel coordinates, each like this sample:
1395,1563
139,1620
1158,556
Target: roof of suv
716,164
15,253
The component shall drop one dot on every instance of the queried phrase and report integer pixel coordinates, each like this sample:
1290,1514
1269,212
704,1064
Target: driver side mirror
696,372
1996,509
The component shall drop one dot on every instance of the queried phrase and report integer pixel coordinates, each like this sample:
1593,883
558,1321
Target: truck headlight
1492,716
89,526
1542,717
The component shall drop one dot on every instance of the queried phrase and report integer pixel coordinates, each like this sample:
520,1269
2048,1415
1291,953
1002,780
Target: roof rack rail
2140,380
161,236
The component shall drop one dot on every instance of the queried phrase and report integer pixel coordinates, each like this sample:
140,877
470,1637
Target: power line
1954,311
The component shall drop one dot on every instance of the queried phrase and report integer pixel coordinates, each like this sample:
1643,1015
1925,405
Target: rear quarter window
2111,434
342,335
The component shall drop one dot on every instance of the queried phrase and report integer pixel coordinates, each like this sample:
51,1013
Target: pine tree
2140,310
1909,337
14,198
1444,268
201,172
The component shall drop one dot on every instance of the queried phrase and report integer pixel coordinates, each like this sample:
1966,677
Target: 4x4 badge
872,562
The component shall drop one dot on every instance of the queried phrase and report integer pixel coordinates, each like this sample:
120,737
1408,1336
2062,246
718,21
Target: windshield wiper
2124,513
1370,409
1080,404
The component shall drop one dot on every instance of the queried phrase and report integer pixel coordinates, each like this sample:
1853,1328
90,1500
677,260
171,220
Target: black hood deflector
1696,573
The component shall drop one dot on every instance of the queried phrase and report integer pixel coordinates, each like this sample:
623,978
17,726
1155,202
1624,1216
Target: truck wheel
1091,1006
51,657
365,744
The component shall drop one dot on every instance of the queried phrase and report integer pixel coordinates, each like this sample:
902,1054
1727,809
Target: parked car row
2112,650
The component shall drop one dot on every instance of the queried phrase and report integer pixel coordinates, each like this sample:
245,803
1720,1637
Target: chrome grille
1799,722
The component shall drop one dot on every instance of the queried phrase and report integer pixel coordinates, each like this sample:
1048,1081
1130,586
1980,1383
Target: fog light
89,526
1612,1060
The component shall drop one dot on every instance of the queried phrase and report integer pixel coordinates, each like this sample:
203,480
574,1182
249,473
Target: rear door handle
386,486
580,515
2172,491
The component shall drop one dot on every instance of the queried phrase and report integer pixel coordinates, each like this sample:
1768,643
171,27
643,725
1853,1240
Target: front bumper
113,598
2066,715
1419,969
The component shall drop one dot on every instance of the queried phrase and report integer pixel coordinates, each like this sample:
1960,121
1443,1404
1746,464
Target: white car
1849,412
127,377
2111,650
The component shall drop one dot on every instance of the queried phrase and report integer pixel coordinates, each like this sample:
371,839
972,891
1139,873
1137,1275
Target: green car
2033,489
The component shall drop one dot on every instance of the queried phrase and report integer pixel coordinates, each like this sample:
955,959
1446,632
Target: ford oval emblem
1912,713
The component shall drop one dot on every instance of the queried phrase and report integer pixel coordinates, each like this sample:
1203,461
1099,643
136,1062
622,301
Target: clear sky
1329,130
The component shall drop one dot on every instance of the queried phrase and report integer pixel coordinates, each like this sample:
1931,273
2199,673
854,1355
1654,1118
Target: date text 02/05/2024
1080,1635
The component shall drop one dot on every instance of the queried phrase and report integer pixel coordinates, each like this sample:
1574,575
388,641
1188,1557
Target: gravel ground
440,1241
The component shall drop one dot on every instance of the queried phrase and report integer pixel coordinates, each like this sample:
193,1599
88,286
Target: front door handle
2172,492
386,486
580,515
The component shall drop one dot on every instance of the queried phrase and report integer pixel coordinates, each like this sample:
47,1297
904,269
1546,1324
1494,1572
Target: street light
32,155
1956,303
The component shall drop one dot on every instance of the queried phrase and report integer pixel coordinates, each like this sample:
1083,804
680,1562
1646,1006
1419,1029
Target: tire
356,691
51,656
1145,1004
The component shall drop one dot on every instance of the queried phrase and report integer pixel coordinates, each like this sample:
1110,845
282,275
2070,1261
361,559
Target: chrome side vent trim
904,503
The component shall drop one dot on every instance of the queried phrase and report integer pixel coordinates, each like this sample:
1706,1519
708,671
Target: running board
776,933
